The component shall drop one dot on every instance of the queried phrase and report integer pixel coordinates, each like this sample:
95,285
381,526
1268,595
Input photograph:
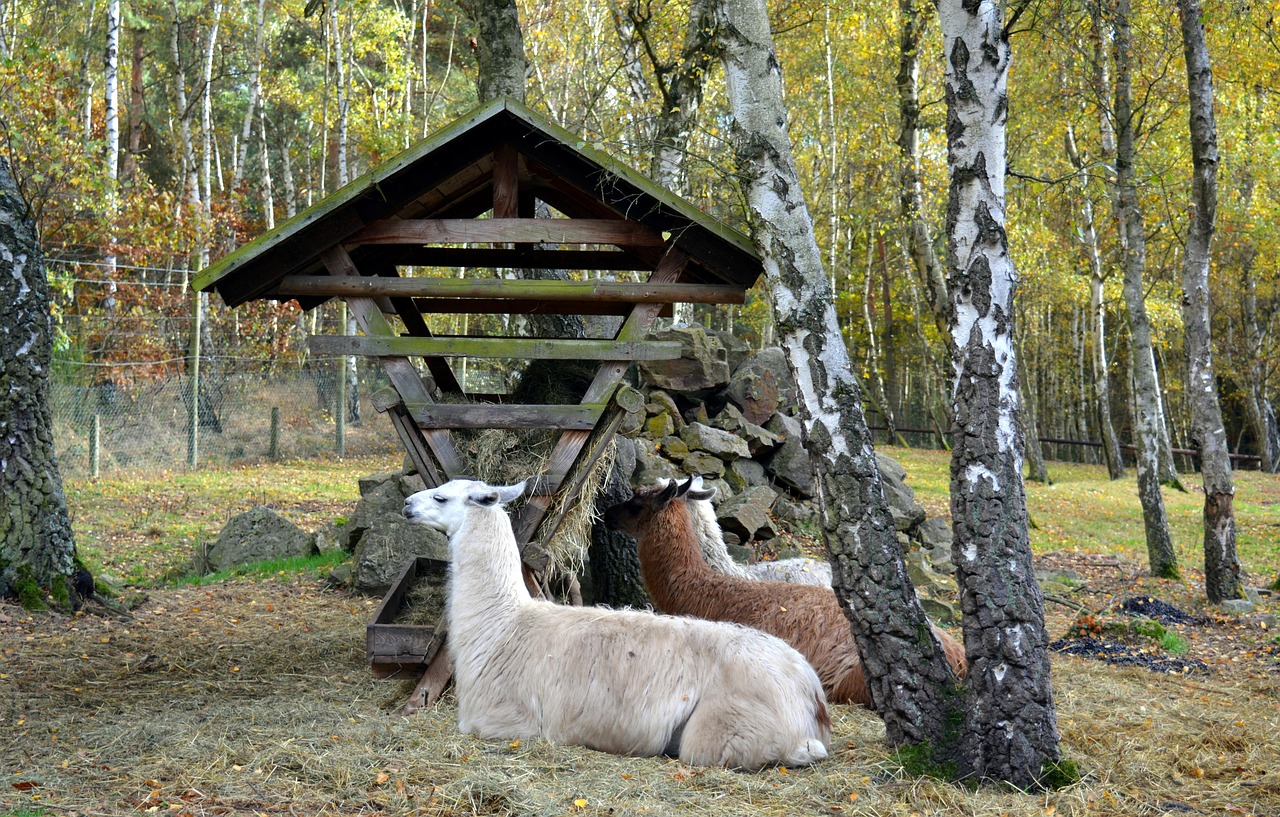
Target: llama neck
485,568
711,539
671,562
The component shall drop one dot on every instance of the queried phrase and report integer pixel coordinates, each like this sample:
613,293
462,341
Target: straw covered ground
253,697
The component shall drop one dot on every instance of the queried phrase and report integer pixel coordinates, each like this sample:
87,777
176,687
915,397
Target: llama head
445,506
637,512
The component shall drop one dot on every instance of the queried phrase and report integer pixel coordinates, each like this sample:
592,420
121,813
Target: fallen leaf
382,777
26,785
581,802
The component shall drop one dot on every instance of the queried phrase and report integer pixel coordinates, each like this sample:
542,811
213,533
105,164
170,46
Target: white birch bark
111,120
255,93
911,684
1148,413
1222,572
1010,731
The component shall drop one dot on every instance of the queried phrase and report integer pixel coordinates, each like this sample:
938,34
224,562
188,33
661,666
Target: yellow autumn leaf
581,802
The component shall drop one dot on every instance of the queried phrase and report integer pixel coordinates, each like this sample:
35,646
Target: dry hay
507,456
256,698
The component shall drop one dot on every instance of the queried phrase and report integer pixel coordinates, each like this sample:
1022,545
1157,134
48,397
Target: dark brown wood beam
490,415
506,230
520,257
518,348
485,306
516,289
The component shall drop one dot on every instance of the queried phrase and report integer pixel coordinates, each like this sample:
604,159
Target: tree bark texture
36,543
1222,573
1147,412
499,49
1010,732
912,686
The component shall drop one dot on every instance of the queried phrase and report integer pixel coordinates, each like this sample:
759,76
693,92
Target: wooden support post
273,446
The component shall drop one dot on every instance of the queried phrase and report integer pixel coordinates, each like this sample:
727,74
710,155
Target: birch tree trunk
918,240
1222,573
111,120
1147,413
912,686
680,86
37,549
255,93
1010,730
1088,235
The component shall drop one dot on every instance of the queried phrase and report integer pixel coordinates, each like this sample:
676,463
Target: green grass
315,566
1085,511
143,529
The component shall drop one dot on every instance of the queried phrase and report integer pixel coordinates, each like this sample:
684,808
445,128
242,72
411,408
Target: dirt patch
255,698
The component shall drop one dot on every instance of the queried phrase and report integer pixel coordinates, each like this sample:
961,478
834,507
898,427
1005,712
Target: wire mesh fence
245,413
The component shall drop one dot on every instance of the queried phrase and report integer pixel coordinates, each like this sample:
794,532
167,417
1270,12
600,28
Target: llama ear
667,494
701,493
686,485
506,493
485,499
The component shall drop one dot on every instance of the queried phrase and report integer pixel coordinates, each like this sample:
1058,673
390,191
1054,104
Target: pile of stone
730,417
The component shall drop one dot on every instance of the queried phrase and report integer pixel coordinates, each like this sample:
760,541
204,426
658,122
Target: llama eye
440,499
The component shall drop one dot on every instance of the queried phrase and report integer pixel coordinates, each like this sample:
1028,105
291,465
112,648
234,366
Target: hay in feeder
507,456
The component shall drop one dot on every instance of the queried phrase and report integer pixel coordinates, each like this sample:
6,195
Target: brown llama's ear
664,497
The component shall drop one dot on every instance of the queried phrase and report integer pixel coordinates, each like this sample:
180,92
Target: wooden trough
467,199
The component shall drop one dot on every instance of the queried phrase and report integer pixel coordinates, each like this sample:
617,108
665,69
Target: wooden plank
431,686
487,415
403,375
517,348
516,289
410,434
482,306
517,257
506,230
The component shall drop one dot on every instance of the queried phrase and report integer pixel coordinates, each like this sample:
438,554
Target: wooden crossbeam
517,348
515,289
506,230
520,257
493,415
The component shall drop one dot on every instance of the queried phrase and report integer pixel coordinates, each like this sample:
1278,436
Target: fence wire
245,415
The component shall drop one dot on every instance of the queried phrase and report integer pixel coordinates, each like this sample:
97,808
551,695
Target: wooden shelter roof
449,176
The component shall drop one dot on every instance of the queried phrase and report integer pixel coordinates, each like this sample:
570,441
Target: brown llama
680,582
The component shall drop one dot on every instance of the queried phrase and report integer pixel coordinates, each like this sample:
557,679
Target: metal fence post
95,446
193,369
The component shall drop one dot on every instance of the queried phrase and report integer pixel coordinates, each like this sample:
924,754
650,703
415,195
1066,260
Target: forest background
229,118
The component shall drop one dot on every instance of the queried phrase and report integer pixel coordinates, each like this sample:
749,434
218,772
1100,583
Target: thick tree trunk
1147,416
1010,729
912,686
37,550
1222,573
499,49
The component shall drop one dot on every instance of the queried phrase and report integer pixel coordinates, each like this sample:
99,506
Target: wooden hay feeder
467,199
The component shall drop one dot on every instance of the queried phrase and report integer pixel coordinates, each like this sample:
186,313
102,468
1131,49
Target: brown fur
807,617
